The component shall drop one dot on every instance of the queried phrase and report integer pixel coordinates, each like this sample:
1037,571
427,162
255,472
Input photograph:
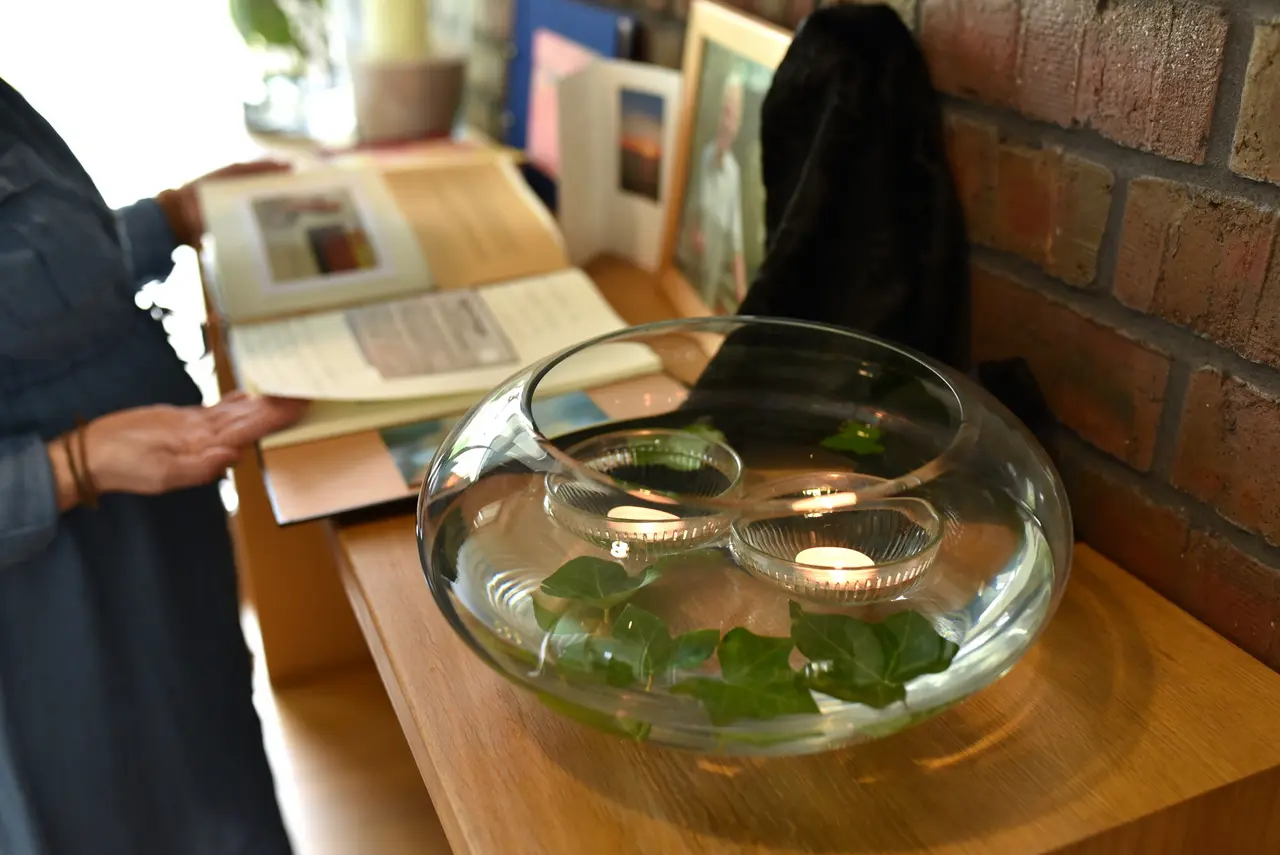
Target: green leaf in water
682,455
595,582
642,640
855,437
692,559
619,725
757,681
868,663
704,429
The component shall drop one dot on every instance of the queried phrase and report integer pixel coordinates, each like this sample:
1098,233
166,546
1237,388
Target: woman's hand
151,450
182,206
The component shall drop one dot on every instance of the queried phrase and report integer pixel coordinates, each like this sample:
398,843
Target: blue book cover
606,32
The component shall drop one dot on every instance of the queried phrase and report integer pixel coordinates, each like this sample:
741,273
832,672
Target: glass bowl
762,537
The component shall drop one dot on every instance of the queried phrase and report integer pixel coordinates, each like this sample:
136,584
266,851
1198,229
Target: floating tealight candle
835,557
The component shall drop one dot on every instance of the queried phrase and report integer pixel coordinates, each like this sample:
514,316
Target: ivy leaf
546,616
855,437
864,662
757,681
620,725
641,640
588,658
704,430
915,646
749,658
694,648
639,647
594,582
725,703
690,461
708,557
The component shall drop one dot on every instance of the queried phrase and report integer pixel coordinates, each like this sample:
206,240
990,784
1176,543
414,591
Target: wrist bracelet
69,453
89,494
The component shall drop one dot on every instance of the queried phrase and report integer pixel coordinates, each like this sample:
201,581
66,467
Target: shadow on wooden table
1033,738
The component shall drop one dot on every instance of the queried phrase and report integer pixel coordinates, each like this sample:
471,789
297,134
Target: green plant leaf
855,437
757,681
698,430
868,663
545,616
595,582
747,658
709,557
915,647
645,641
592,659
618,725
705,430
725,703
693,648
639,647
263,20
641,640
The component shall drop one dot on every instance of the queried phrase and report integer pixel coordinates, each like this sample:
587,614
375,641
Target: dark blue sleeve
28,499
147,240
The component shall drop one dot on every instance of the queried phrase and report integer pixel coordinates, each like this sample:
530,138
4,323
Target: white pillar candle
395,30
834,557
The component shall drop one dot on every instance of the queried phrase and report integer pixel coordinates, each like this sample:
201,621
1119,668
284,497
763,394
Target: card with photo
640,143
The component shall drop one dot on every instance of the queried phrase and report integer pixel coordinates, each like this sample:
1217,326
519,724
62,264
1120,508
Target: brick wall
1118,163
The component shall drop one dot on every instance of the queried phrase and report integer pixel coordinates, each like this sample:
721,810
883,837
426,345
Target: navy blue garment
126,720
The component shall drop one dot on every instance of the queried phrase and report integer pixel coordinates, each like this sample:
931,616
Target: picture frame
729,58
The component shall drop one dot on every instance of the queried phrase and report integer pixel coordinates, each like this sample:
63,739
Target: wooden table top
1129,728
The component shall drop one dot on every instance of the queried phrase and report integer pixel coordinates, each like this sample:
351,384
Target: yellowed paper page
478,221
435,345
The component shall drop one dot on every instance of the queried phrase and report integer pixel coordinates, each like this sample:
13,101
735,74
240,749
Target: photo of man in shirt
717,232
721,236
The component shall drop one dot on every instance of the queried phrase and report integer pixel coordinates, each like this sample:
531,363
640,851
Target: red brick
1228,451
972,148
1049,48
1235,594
1153,210
1107,388
1080,220
1185,88
1198,259
1117,519
1026,181
1046,206
1264,338
972,47
1149,75
1257,145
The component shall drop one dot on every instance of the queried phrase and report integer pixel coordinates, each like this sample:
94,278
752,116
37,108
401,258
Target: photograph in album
313,235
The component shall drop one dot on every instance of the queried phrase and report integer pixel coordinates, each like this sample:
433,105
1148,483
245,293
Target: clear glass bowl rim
841,497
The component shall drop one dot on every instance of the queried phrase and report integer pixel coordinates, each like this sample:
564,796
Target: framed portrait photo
715,231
